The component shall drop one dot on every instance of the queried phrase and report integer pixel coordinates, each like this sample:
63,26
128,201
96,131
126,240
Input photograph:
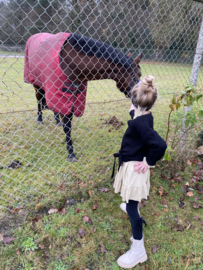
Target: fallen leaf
176,219
192,180
52,211
95,206
181,204
82,200
41,246
83,184
162,193
82,211
199,172
37,218
146,267
91,193
17,251
87,220
156,213
7,240
197,198
189,194
102,248
161,190
77,210
62,186
179,228
163,176
91,182
154,249
95,228
188,162
166,210
188,226
50,246
164,203
38,206
63,211
20,212
182,198
184,188
171,199
187,263
196,205
196,218
81,233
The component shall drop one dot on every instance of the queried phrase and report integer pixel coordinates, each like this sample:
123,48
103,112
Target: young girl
141,148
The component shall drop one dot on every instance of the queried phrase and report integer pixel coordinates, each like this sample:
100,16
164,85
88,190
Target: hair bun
150,79
144,94
148,83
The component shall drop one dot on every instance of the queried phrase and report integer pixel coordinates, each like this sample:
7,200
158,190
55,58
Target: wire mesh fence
33,157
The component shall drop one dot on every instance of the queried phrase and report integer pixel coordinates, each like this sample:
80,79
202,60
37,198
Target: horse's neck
79,67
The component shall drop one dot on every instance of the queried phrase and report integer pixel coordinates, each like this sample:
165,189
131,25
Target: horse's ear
137,59
129,54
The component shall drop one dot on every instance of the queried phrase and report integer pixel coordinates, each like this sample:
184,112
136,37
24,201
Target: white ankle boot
123,207
137,254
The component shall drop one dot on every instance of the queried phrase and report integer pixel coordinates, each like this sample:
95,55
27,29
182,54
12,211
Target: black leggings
135,219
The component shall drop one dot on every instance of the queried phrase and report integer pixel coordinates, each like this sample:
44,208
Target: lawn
88,230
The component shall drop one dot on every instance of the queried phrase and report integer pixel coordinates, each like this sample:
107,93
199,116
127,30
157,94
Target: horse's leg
67,129
43,99
57,118
39,97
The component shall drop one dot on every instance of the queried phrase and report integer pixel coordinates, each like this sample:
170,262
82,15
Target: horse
59,67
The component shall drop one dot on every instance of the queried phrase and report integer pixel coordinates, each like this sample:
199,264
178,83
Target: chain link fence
33,157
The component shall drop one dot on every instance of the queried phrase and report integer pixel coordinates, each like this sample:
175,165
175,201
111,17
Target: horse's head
130,77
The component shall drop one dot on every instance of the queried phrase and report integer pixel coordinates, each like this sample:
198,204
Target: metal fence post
193,80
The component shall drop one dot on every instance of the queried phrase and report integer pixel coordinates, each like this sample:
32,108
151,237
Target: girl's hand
140,167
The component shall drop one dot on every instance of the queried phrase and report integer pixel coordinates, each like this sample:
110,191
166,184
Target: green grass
7,53
46,180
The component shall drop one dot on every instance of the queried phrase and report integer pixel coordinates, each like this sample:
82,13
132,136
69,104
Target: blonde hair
144,94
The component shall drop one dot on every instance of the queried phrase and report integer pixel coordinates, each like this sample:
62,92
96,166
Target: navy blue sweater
141,140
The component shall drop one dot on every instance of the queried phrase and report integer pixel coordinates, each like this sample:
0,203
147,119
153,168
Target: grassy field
47,181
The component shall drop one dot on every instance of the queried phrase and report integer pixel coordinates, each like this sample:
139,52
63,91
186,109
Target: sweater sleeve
132,113
153,141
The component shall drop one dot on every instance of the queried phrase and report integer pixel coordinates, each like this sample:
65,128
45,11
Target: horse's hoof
72,159
60,124
40,122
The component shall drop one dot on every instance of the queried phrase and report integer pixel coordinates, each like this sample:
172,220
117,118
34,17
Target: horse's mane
92,47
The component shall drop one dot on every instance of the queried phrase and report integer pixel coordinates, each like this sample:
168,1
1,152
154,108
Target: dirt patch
9,223
114,122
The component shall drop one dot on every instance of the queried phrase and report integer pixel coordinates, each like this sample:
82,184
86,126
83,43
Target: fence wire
33,157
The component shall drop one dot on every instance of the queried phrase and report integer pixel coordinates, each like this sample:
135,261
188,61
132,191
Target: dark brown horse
59,67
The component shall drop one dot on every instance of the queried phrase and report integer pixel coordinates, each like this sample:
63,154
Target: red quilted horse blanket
42,67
